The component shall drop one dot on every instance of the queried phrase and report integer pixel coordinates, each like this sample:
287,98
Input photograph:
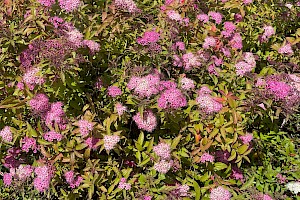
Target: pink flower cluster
43,178
268,32
163,150
39,104
172,99
69,5
163,166
148,38
206,157
263,197
29,143
188,61
71,180
187,84
229,29
206,101
180,191
56,115
127,5
110,141
179,45
278,88
209,42
174,15
286,49
246,65
75,37
91,142
92,45
144,86
22,173
203,18
120,108
50,113
220,193
281,178
6,134
216,16
246,139
114,91
147,197
146,122
237,174
236,41
124,185
32,78
47,3
52,135
85,127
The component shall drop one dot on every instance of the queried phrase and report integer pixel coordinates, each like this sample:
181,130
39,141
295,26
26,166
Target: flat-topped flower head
85,127
163,150
110,141
146,122
246,139
206,157
52,135
72,180
120,108
114,91
187,84
163,166
127,5
286,49
39,104
172,99
220,193
148,38
6,134
209,42
69,5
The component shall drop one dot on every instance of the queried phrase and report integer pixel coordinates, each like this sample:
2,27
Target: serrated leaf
247,184
219,166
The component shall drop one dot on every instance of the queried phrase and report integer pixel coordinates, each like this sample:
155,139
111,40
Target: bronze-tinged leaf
44,152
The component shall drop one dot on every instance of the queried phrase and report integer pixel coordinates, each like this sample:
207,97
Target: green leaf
247,184
220,166
197,190
176,141
141,138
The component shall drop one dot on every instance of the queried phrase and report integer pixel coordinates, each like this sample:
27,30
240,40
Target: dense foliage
174,99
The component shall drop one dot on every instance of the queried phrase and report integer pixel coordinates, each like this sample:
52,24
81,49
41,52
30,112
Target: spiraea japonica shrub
158,99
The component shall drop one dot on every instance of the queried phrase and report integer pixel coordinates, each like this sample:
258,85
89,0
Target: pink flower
246,2
246,139
163,166
279,89
286,49
268,32
69,5
47,3
31,78
220,193
172,98
216,16
43,178
229,29
206,102
23,172
52,135
39,104
91,142
127,5
187,84
163,150
75,37
148,38
282,179
174,15
120,108
247,65
6,134
237,174
110,141
56,115
7,179
114,91
92,45
146,122
236,41
190,60
124,185
29,143
147,197
144,86
203,18
209,42
71,180
85,127
206,157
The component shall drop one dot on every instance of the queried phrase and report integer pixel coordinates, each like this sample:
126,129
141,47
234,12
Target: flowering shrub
163,99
